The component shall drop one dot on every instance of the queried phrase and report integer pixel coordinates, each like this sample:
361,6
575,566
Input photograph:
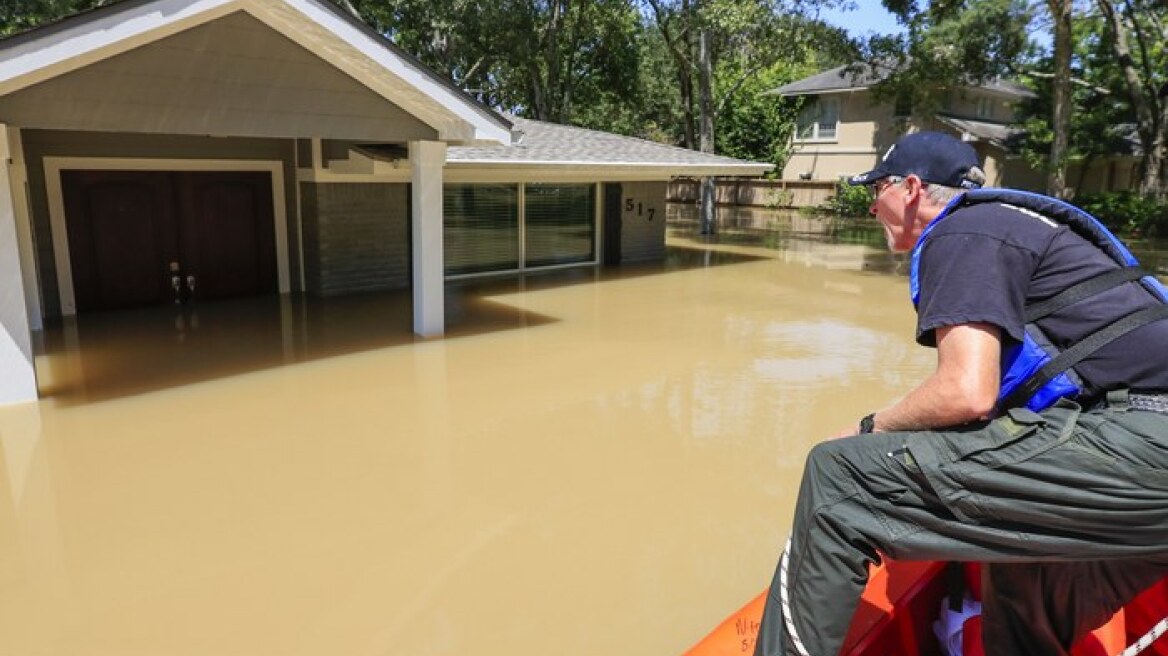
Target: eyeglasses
880,185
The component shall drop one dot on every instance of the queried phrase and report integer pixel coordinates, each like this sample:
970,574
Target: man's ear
913,187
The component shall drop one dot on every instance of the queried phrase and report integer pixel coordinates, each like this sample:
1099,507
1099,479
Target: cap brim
867,178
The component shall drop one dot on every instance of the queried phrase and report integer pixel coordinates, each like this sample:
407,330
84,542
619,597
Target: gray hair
941,195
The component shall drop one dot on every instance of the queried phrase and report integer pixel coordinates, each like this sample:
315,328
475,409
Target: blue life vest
1035,373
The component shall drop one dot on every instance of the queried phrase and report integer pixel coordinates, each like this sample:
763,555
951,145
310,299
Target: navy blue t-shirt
985,262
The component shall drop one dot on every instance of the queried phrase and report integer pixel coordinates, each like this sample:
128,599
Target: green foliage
947,45
1102,119
850,200
542,60
754,126
625,66
1127,212
20,15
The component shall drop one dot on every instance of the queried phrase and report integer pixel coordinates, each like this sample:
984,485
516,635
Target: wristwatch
868,423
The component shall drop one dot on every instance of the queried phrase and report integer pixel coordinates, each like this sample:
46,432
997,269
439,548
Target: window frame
819,107
597,191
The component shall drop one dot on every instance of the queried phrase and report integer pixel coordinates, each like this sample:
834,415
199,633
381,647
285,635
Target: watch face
868,423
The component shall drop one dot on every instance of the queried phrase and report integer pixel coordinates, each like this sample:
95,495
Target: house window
818,120
513,227
560,224
985,107
481,228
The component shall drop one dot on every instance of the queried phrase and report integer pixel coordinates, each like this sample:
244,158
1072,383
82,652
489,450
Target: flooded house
160,151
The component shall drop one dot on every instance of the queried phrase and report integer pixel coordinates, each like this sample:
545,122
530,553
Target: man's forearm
932,405
964,387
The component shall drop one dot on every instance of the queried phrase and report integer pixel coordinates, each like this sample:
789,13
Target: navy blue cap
934,157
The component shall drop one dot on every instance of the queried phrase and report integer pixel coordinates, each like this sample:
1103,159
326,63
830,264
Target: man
1038,446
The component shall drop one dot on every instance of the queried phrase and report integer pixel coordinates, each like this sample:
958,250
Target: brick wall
356,237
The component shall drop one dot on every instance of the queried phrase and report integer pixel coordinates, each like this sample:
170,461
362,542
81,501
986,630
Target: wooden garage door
133,233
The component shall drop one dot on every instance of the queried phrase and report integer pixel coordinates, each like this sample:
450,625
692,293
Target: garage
154,237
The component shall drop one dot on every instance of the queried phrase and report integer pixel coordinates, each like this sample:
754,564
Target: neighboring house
842,130
159,149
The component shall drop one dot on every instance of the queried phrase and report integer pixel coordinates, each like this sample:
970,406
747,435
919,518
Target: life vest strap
1081,350
1082,290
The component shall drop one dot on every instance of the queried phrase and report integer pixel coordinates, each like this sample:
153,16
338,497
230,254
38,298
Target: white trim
598,221
54,165
17,368
299,212
456,173
18,175
88,39
426,239
521,190
513,272
810,149
819,92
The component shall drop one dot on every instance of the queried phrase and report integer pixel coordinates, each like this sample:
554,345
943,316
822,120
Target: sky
869,17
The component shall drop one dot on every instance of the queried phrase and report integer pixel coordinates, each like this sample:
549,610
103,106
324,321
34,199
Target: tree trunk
1151,122
706,95
1056,181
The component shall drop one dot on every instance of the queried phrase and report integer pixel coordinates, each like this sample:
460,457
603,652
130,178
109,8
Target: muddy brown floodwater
590,463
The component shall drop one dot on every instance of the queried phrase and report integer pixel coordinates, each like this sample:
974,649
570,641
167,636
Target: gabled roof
844,78
319,26
543,144
836,79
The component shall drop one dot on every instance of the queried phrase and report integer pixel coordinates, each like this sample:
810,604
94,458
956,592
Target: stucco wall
642,222
233,75
864,132
356,237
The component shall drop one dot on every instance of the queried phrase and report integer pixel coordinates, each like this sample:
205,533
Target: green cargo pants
1069,509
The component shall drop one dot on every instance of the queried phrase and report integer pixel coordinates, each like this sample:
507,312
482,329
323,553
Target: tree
948,45
699,36
1138,32
536,58
20,15
1060,12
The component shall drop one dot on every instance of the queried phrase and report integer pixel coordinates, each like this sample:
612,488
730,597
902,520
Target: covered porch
165,148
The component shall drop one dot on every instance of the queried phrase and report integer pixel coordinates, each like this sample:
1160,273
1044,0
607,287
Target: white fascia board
595,171
352,49
67,48
712,169
821,92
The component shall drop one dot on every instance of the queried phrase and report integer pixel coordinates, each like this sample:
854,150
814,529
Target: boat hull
903,599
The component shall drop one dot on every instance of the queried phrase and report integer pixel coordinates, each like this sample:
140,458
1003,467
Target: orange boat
903,599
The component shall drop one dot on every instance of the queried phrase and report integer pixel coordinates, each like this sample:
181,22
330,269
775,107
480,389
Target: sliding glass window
481,227
560,224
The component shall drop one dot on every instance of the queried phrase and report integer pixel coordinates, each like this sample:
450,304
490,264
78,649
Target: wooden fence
755,192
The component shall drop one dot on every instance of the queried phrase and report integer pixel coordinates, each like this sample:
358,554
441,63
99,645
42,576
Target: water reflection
794,231
812,239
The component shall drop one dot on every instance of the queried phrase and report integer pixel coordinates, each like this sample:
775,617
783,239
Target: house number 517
631,204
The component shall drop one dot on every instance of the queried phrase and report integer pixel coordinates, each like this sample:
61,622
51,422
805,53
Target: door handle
191,285
175,280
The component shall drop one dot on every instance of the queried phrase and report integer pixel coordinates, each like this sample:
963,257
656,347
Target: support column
427,159
17,373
